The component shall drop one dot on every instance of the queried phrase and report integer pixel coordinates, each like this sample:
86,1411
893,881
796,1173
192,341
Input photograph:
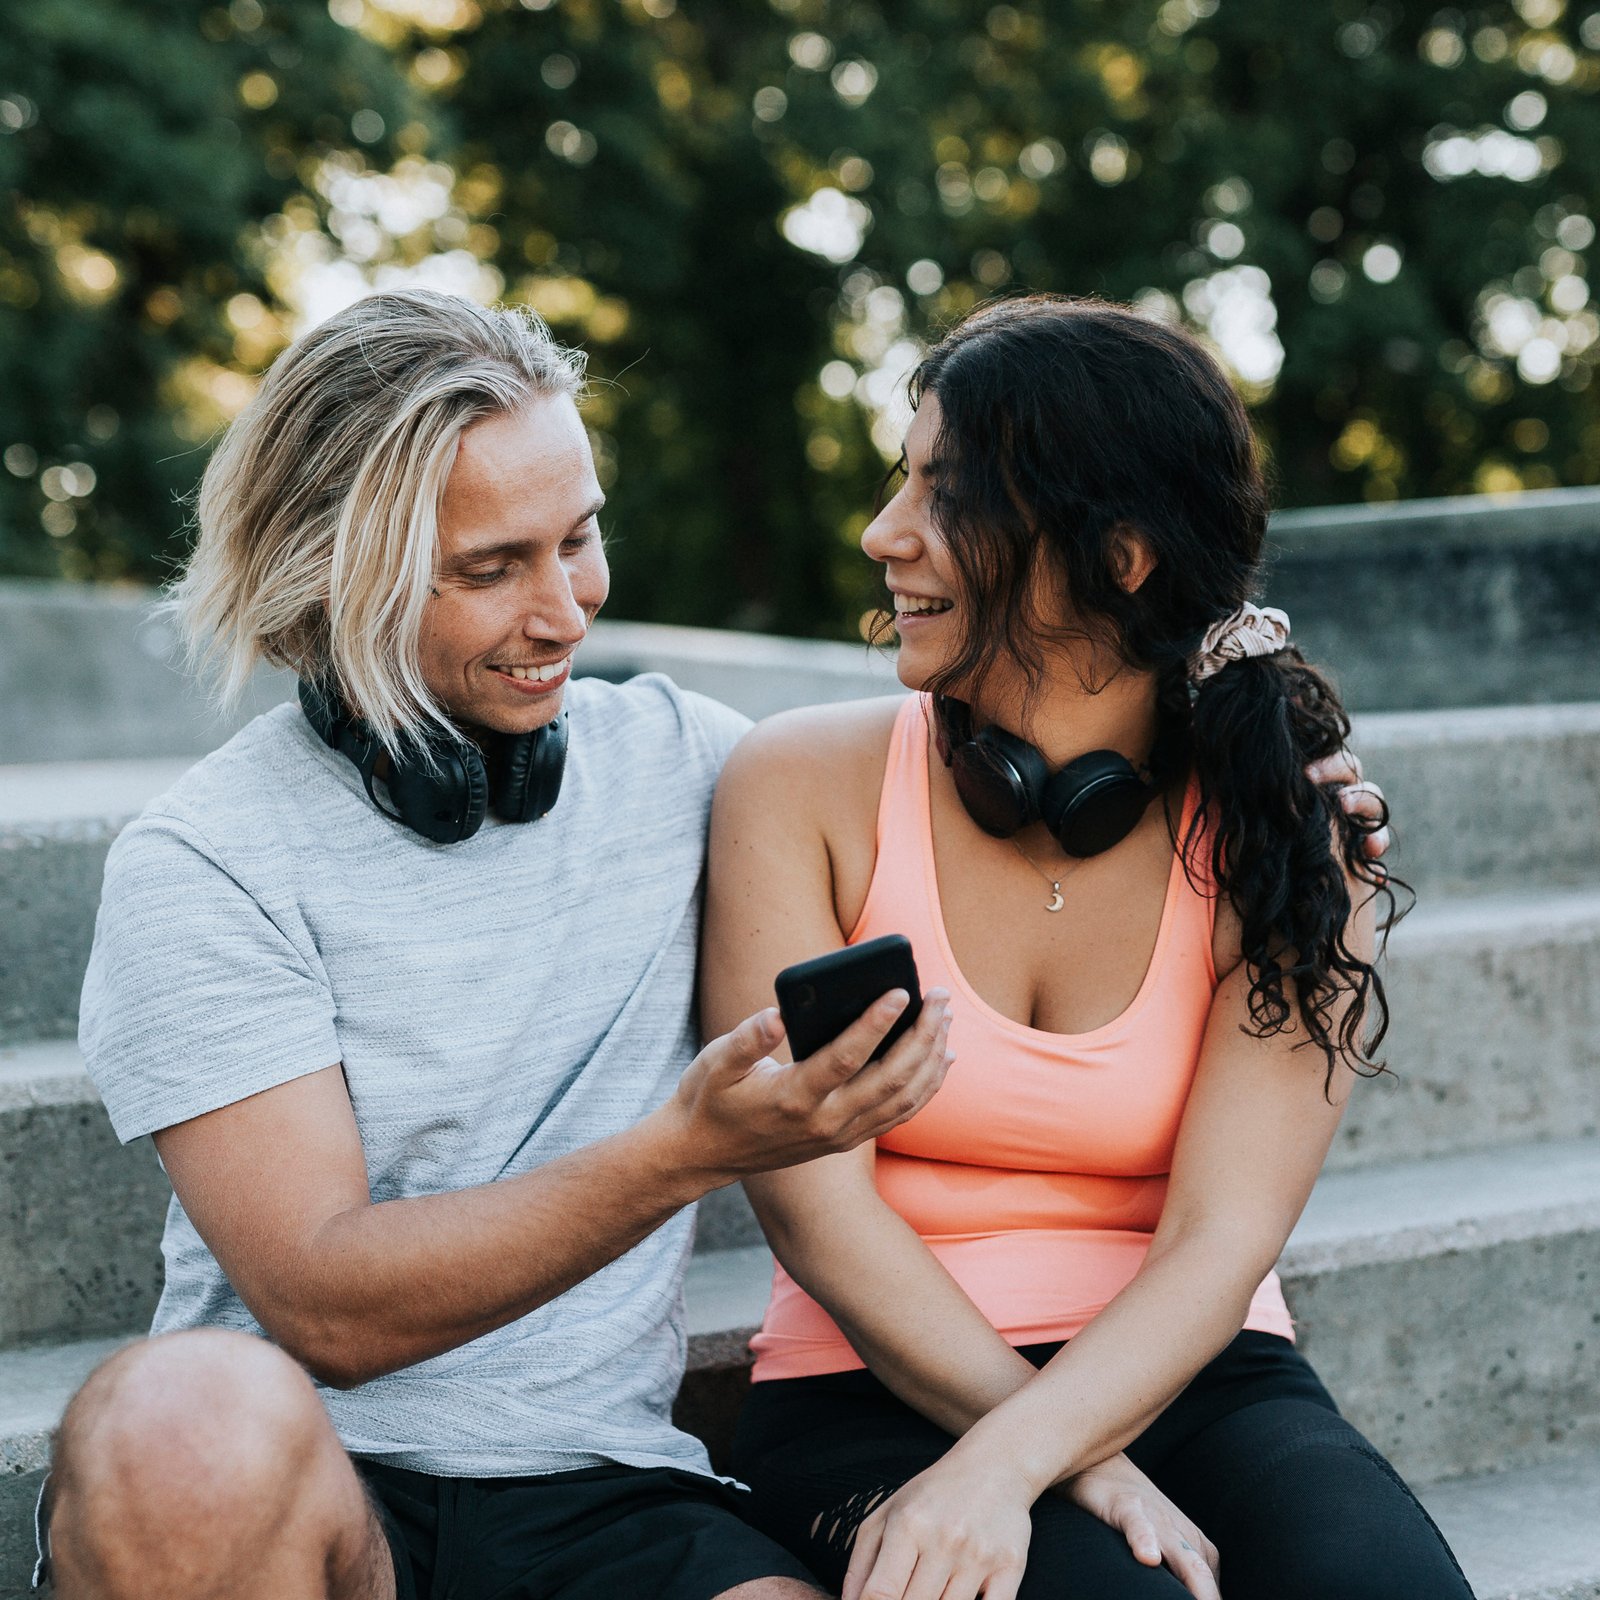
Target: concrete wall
1433,603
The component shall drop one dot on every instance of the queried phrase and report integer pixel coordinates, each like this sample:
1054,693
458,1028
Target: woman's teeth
904,603
538,674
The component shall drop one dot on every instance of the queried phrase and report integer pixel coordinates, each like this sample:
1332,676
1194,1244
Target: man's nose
554,613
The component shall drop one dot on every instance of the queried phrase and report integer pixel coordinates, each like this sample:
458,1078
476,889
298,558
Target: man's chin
511,720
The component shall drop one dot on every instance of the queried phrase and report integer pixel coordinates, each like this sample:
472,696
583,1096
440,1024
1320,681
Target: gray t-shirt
495,1003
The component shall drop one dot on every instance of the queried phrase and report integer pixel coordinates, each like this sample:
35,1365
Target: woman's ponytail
1283,851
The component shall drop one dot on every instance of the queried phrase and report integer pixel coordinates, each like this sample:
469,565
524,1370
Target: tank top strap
904,835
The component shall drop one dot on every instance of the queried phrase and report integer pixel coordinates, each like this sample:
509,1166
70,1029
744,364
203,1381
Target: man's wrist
675,1164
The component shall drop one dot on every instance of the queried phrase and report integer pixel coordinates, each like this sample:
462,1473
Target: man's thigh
588,1535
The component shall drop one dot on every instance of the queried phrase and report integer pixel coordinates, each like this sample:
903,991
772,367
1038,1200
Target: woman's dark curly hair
1064,424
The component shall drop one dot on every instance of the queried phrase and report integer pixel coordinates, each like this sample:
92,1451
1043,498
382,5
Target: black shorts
1298,1503
595,1534
602,1532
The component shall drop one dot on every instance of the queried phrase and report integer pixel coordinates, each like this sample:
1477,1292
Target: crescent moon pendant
1055,902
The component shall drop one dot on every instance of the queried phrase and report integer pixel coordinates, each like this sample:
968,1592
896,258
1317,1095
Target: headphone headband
1005,783
443,789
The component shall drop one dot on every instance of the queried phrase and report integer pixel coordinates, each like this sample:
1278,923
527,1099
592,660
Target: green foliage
138,144
749,211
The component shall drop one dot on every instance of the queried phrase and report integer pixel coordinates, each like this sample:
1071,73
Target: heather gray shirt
495,1004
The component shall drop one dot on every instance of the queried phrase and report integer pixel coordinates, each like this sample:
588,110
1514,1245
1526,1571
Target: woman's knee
204,1433
1300,1503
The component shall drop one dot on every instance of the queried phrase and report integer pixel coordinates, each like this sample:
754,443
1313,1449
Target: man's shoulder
235,791
651,717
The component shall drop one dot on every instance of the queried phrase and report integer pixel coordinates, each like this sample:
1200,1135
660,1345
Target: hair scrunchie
1250,631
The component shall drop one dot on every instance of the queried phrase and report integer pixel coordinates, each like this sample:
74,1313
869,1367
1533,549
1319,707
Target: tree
138,144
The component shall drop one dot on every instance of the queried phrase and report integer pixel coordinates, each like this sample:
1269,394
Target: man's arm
277,1186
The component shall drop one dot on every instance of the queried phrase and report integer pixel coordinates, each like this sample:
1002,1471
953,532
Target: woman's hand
1357,797
1118,1493
952,1533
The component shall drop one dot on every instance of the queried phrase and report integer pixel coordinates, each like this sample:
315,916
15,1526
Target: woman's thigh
820,1462
1299,1503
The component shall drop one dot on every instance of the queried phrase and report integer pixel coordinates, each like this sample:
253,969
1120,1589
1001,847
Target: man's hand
741,1111
1357,797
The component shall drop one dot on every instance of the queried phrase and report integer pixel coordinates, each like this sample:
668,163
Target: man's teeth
538,674
911,602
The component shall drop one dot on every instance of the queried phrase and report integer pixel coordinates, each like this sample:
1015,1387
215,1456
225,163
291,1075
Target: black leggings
1299,1505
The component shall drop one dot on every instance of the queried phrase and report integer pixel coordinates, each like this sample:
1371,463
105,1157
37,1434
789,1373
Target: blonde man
402,988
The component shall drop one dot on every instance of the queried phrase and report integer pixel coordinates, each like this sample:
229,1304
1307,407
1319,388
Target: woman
1162,991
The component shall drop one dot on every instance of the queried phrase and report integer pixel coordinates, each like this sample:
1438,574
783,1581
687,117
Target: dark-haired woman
1097,826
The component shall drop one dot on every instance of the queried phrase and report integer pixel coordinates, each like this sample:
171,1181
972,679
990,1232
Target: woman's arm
774,882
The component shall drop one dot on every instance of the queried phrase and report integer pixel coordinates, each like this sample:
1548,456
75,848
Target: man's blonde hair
319,511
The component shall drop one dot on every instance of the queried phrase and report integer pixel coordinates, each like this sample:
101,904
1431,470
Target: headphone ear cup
1095,802
448,803
528,771
1000,779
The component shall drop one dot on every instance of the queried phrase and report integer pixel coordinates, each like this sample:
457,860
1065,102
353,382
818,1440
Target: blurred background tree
751,212
140,147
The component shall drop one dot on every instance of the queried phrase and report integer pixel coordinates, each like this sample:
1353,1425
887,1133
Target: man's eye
486,578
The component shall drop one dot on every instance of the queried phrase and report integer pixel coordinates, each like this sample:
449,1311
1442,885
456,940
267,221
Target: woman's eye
483,579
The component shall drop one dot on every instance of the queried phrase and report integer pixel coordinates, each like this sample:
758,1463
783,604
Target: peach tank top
1037,1173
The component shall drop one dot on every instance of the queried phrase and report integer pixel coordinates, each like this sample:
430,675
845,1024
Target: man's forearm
383,1286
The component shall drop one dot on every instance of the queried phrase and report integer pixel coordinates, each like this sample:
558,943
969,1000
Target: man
423,1104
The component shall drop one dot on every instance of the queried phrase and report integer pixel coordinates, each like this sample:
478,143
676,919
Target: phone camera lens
806,995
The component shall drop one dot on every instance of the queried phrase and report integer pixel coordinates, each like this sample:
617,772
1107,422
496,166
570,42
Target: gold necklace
1055,902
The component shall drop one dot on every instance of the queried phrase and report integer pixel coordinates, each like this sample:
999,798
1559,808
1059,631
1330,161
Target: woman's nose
891,535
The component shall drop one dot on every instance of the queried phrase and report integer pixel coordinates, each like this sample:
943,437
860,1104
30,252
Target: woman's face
921,577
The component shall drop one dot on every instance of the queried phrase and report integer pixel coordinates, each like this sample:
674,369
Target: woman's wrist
1004,1455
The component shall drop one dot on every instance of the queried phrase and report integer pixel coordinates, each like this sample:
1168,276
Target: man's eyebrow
511,547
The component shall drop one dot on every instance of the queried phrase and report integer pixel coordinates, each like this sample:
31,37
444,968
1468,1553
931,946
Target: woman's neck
1064,720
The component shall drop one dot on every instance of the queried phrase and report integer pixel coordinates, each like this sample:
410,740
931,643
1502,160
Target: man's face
521,572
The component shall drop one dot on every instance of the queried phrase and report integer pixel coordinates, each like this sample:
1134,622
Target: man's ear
1132,560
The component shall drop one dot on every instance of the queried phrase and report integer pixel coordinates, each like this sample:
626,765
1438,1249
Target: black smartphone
820,998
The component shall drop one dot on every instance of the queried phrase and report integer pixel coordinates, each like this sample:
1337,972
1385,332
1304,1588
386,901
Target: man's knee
205,1433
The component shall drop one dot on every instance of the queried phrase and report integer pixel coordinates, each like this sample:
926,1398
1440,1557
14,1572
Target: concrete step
1495,800
1495,1029
1532,1534
80,1215
1448,1303
56,823
1526,1534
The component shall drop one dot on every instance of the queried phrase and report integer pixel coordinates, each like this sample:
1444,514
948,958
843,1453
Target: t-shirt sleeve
720,726
196,995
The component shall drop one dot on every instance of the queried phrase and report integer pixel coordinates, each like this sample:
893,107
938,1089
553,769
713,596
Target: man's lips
536,677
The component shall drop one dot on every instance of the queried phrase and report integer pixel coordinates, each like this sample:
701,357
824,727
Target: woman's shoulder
816,747
810,780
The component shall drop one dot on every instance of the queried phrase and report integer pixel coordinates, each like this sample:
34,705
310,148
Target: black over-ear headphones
445,790
1091,804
